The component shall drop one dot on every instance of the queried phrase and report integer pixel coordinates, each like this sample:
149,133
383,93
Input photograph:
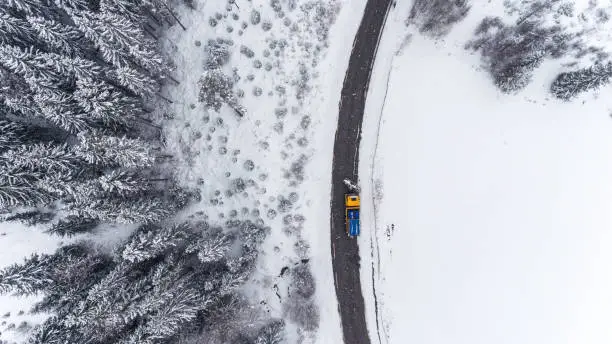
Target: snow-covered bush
302,281
303,312
217,53
436,17
216,88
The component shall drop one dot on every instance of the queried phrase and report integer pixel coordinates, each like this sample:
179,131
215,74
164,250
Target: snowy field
288,61
492,211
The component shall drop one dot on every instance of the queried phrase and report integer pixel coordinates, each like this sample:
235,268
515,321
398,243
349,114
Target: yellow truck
351,205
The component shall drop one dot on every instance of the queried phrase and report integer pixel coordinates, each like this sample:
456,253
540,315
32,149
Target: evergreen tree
151,241
62,38
568,85
72,5
111,151
30,7
16,95
106,102
12,134
121,184
20,193
28,278
108,49
31,217
60,109
212,247
25,63
42,157
121,41
73,225
123,210
137,82
151,291
70,67
132,9
15,31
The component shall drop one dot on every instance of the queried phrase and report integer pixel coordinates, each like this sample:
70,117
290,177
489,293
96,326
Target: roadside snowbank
494,215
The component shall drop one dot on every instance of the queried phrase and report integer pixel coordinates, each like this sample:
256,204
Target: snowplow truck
351,206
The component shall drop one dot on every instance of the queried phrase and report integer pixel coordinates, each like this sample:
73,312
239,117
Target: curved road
345,252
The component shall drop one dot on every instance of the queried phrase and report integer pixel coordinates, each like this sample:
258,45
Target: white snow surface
486,215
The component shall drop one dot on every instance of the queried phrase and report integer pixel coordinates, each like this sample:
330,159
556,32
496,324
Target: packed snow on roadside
489,212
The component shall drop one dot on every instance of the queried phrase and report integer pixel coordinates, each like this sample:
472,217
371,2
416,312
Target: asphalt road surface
345,252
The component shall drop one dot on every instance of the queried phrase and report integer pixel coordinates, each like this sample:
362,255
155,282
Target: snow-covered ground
492,211
290,73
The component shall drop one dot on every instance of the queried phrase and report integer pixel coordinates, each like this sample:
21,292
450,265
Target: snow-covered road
345,252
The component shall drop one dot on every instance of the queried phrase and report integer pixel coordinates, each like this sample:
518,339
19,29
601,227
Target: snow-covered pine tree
111,151
16,31
128,211
30,7
106,102
20,193
122,184
72,5
16,95
60,108
568,85
31,217
12,134
122,41
70,67
27,278
212,247
178,304
137,82
46,158
131,9
72,225
24,63
151,241
62,38
109,51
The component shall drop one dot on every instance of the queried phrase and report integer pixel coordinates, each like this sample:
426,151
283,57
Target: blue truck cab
352,203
